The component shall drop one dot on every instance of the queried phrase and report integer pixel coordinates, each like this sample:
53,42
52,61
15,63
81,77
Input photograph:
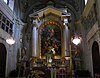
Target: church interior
49,38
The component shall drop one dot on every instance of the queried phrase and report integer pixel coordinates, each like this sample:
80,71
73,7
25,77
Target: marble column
34,41
65,41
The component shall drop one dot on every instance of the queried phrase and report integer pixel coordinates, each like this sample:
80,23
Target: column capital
34,25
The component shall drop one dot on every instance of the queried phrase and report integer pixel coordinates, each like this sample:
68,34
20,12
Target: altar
56,69
49,43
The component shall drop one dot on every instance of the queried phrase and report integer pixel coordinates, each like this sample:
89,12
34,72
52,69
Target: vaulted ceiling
29,6
38,4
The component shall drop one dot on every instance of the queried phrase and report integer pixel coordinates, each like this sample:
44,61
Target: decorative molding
6,9
25,5
3,34
35,25
61,4
90,20
92,32
9,13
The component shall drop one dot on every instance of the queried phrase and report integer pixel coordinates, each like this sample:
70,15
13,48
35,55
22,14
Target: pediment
46,11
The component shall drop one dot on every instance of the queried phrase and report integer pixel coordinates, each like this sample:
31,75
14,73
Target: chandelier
76,40
10,40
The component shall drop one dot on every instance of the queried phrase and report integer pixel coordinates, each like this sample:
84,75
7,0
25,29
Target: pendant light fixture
10,40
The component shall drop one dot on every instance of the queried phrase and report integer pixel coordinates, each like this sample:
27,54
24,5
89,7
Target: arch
95,57
2,60
51,20
69,6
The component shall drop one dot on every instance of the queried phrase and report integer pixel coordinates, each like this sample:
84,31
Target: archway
2,60
95,58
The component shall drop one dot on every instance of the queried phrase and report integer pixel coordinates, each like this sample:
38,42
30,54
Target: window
4,19
10,31
6,1
10,3
11,25
7,29
3,26
5,23
86,2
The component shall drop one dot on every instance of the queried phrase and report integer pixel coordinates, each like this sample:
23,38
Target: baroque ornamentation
25,5
90,20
